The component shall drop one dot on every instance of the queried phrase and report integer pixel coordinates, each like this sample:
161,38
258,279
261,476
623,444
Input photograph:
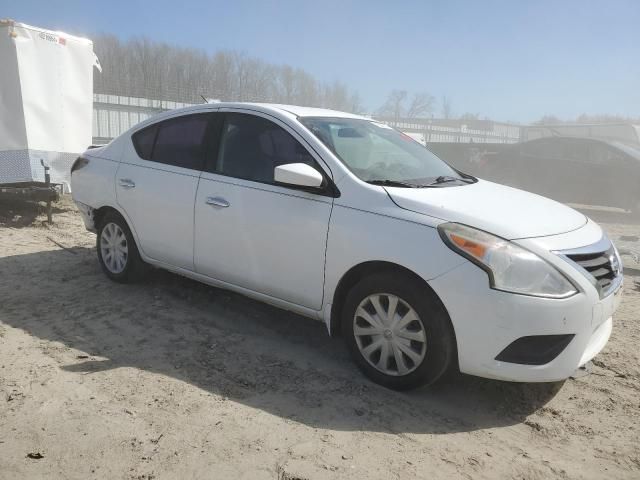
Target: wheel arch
356,273
99,213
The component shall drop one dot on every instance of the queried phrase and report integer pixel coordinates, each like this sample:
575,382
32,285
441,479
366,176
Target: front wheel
397,331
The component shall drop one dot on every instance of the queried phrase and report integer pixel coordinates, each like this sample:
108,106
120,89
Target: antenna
204,98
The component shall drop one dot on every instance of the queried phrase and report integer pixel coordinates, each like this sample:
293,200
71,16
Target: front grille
602,266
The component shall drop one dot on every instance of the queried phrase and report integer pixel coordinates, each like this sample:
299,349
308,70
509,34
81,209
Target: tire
122,263
432,339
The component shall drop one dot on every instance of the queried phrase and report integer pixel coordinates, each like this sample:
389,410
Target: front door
252,232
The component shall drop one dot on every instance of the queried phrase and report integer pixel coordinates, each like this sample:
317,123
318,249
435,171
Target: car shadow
229,345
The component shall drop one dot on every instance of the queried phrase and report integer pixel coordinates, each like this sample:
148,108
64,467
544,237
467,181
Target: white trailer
46,100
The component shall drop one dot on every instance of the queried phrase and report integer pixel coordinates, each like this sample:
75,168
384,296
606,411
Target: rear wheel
117,250
397,331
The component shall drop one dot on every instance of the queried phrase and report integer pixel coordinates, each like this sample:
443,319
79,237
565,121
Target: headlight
510,267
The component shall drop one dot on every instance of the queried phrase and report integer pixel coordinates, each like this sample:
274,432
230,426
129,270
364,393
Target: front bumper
486,321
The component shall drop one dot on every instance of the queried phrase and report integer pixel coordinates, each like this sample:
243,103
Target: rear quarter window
143,141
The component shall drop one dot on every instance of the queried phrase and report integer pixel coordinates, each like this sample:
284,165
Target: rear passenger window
180,142
252,147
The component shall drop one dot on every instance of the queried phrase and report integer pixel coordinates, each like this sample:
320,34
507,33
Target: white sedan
421,268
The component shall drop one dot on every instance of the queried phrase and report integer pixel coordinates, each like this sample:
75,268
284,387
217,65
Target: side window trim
330,189
214,140
156,130
216,167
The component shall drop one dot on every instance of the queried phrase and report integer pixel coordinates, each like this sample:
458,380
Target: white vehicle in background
421,268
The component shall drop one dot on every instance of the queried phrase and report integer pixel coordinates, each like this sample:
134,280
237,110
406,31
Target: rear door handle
126,183
217,202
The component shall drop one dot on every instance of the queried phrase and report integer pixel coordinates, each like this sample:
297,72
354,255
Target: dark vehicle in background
571,170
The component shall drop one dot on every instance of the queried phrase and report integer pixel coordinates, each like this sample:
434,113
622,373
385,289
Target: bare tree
144,68
355,103
337,96
548,120
394,105
421,105
470,116
223,79
306,89
446,108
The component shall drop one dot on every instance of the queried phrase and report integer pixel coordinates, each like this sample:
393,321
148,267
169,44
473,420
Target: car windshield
377,153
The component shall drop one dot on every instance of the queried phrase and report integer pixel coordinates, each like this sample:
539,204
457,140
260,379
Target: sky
506,60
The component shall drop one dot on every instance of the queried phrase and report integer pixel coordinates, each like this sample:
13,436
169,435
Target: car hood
504,211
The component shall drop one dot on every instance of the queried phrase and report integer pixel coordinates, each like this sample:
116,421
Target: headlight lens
511,268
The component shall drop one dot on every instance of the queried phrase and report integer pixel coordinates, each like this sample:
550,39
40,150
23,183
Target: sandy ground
173,379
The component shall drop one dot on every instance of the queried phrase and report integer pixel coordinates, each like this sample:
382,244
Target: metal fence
457,131
115,114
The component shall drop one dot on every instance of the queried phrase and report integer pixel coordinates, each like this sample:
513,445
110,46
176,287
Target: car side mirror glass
299,174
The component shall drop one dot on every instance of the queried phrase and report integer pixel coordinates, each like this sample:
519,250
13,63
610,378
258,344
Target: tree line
401,104
141,67
144,68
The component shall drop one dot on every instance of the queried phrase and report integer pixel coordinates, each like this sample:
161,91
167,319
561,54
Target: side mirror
299,174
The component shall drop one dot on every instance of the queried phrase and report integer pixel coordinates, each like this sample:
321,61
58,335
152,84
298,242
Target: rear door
156,185
251,232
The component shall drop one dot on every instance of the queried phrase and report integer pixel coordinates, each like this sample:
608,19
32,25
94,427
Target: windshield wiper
393,183
416,184
446,179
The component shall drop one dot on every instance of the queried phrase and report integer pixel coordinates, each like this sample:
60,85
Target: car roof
299,111
291,111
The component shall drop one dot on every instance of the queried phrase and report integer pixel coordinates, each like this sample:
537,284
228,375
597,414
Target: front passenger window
252,147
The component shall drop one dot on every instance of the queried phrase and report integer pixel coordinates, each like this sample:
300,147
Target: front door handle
126,183
217,202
